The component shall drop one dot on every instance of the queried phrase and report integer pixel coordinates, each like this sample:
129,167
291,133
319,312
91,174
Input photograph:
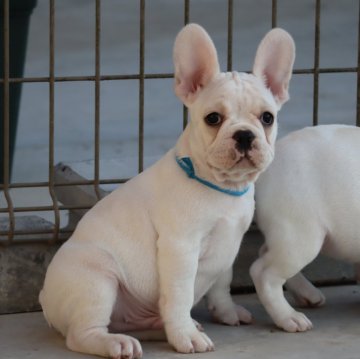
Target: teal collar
186,165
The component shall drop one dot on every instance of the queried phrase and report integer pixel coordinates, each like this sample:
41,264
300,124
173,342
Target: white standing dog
306,202
145,254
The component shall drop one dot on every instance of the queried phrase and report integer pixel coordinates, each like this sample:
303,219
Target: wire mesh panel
47,219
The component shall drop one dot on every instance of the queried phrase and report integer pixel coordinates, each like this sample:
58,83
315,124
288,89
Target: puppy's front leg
177,265
221,305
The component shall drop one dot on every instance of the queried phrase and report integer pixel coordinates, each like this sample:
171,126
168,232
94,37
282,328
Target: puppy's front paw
190,342
233,315
125,348
295,322
114,346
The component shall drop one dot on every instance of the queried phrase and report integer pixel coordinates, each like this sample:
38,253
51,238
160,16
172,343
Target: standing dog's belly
334,246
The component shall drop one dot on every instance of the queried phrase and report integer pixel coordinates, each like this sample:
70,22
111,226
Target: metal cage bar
316,63
6,124
186,21
358,74
141,84
91,78
97,100
52,119
274,13
230,35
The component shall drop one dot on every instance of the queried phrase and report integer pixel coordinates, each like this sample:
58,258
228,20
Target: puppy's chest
221,244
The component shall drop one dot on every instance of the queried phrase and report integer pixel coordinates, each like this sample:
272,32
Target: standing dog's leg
304,292
281,262
357,272
221,305
178,263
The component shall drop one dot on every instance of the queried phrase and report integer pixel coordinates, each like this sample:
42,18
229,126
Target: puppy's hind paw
198,326
304,292
233,316
295,322
312,299
243,314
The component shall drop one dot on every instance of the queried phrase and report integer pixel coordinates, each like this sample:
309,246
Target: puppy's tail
149,335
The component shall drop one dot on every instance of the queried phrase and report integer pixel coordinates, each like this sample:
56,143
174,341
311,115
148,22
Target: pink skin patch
131,314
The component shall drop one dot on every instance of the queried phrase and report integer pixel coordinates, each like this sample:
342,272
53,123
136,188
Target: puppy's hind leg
304,292
221,305
88,330
357,272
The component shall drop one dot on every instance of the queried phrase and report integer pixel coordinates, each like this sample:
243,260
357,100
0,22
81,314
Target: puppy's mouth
245,160
242,160
238,166
244,170
235,161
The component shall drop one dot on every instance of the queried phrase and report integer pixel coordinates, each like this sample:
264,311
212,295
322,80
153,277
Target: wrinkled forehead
239,92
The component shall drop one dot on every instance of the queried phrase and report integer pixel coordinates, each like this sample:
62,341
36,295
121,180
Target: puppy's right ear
195,61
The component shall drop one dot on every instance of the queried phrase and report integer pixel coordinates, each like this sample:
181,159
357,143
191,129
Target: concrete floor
335,335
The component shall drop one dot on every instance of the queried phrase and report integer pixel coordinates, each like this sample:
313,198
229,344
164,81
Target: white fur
145,254
306,202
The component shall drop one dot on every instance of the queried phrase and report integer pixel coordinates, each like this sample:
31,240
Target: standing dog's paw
233,315
193,342
295,322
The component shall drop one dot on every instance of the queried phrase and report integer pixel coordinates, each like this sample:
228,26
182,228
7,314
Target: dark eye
267,119
213,119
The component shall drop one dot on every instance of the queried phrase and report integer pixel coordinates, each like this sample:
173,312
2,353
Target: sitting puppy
146,253
306,202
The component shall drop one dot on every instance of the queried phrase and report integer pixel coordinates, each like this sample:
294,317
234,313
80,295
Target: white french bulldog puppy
146,253
306,202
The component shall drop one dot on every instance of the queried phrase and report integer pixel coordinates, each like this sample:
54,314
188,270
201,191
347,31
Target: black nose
243,140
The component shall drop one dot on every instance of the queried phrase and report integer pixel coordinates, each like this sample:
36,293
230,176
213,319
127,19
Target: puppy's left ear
195,61
274,62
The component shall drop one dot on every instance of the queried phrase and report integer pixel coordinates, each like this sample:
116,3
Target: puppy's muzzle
243,140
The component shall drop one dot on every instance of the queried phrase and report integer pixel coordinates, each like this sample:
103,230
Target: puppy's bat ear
274,62
195,61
